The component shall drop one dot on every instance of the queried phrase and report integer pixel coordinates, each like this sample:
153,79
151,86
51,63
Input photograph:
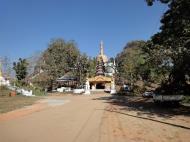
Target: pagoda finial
101,48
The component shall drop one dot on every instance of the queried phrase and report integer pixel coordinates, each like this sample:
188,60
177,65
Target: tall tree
174,43
20,68
129,62
58,59
81,68
158,64
92,67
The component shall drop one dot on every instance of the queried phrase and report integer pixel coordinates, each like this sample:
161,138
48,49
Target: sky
27,26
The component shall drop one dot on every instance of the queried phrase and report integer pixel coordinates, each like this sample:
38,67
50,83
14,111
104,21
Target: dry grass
11,103
4,91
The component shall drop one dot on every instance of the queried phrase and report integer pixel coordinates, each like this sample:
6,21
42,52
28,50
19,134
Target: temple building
102,79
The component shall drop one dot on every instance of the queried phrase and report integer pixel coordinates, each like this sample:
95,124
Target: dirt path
90,119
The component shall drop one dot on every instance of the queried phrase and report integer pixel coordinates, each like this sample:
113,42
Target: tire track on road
113,126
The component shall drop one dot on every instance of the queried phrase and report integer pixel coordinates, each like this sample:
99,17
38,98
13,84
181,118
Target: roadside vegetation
162,61
4,91
60,58
11,103
8,103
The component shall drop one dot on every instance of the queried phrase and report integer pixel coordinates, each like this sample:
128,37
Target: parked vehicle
126,88
148,94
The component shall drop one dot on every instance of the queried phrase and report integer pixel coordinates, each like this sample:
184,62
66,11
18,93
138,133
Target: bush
38,91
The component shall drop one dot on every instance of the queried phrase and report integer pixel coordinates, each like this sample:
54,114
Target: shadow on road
145,106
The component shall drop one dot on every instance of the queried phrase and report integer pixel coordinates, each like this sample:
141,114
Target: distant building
67,81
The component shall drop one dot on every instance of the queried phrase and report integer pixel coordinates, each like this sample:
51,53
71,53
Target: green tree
173,41
92,67
20,69
129,62
81,68
60,58
158,65
63,58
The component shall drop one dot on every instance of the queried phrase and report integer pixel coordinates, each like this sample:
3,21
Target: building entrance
100,86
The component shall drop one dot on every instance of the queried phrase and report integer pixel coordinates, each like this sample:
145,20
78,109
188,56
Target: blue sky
27,26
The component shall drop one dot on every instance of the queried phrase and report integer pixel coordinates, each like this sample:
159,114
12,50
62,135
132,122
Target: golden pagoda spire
101,55
101,48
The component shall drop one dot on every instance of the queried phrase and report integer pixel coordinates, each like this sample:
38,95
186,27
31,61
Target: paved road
87,119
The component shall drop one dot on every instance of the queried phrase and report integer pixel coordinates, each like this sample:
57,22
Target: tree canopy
150,2
172,45
129,62
20,68
61,58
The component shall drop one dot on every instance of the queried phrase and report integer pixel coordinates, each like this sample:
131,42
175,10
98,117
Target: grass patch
11,103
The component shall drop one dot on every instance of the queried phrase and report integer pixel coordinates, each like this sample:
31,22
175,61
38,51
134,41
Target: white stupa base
78,91
4,82
25,92
87,92
113,91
